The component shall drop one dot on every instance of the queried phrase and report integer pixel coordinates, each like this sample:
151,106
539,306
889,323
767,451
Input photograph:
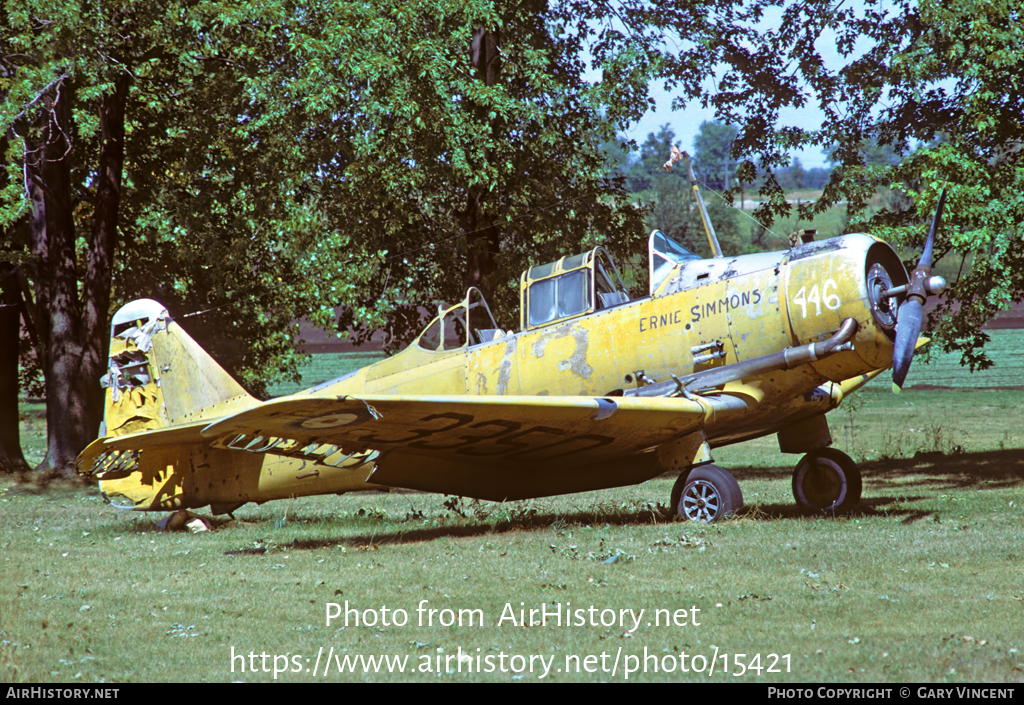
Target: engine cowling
832,280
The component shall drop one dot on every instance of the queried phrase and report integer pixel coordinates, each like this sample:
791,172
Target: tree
258,162
40,86
11,311
817,177
110,165
433,146
794,175
932,83
712,153
655,150
443,162
870,151
11,457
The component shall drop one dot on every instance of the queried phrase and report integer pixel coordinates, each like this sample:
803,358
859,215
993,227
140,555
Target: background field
923,582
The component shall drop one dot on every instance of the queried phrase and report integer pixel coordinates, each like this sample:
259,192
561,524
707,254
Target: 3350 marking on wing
499,437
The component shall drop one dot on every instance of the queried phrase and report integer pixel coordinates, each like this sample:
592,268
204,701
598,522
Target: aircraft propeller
910,315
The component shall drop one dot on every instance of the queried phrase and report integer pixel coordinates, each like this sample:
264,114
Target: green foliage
794,176
403,134
668,197
929,96
285,159
712,154
654,152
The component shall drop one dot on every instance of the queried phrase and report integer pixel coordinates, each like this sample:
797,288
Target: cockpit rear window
559,297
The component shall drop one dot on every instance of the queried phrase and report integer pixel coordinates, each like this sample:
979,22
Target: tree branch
39,96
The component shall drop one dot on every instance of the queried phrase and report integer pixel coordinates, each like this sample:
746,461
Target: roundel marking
329,421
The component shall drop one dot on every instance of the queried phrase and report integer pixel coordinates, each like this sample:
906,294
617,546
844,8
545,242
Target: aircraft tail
159,376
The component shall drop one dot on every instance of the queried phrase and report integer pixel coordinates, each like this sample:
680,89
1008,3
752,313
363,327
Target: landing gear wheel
826,480
706,494
677,494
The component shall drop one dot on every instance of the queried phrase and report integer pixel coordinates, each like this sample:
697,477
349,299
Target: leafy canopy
286,158
934,84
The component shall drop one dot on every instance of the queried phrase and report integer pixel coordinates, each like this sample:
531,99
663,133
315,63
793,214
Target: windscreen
665,254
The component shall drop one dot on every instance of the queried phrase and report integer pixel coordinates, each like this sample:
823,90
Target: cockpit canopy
550,293
468,322
570,287
664,254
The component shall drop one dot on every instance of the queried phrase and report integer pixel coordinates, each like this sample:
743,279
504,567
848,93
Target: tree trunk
53,243
73,330
11,457
100,256
483,242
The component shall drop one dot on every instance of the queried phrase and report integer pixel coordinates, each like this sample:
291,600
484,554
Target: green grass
832,223
1005,348
875,424
895,592
923,582
323,367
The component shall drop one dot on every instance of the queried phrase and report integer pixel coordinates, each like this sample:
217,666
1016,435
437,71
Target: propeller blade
910,316
929,243
908,327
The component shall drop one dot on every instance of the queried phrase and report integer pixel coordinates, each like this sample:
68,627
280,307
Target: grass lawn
923,582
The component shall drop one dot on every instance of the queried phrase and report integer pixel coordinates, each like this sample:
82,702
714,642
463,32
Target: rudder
159,376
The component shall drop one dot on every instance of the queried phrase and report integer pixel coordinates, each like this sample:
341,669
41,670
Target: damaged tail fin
159,376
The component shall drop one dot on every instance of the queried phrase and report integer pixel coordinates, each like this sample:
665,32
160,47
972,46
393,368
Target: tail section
159,376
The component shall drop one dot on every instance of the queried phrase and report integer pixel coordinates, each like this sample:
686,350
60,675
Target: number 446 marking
826,297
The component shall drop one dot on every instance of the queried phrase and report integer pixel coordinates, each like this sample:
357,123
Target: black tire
677,492
827,481
706,494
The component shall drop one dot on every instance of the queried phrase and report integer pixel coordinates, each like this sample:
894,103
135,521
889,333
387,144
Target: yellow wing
487,447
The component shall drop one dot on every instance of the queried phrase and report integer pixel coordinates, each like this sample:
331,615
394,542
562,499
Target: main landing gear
707,493
824,481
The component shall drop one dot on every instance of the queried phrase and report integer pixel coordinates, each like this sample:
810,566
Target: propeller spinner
910,316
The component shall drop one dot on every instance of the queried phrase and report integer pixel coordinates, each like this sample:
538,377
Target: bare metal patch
505,370
816,248
560,331
542,342
577,362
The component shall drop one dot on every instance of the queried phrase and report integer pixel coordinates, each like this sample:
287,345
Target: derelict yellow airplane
596,390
